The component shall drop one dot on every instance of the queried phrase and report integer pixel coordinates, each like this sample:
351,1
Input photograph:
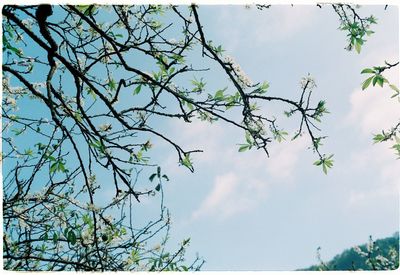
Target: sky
245,211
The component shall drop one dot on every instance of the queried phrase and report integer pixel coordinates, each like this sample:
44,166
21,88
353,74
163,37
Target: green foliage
279,135
393,135
325,163
377,78
159,177
249,143
320,111
382,254
357,28
187,162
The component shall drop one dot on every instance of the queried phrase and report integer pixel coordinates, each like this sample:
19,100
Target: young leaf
55,237
357,46
72,237
380,80
53,167
112,84
367,82
244,147
219,95
394,87
151,178
324,168
378,138
318,162
374,80
137,89
368,71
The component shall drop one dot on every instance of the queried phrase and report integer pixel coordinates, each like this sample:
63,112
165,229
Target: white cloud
285,157
381,159
192,136
231,194
198,135
250,178
372,109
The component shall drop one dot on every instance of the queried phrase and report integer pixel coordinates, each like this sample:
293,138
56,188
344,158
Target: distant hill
383,254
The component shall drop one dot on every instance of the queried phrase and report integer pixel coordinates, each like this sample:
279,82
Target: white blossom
172,41
309,81
242,78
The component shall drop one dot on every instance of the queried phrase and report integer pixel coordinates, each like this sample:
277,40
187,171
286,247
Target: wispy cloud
379,158
373,110
250,179
231,194
285,157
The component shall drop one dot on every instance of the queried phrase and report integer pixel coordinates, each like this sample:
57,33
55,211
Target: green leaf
61,167
378,138
82,8
112,84
368,71
324,168
381,80
137,89
55,237
28,152
158,187
244,147
374,80
279,135
357,46
318,162
186,162
248,138
264,87
151,178
367,82
53,167
360,41
369,32
165,177
86,219
17,132
72,237
219,95
394,87
66,232
86,9
190,105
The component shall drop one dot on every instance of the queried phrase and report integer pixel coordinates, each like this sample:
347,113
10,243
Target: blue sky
244,211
